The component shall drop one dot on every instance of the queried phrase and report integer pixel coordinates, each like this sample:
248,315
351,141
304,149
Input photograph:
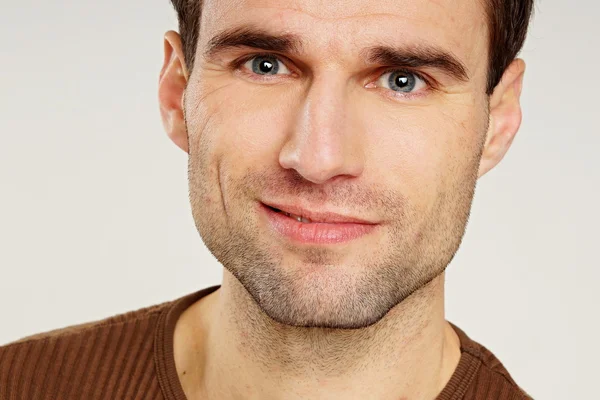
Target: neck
227,348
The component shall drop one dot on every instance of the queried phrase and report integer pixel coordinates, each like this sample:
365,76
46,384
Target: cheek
420,151
249,130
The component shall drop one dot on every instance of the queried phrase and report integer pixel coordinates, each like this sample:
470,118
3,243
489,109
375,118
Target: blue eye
402,81
265,65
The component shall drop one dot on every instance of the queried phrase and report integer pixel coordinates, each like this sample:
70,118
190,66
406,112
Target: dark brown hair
507,22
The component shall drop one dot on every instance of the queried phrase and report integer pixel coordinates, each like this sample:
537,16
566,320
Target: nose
325,141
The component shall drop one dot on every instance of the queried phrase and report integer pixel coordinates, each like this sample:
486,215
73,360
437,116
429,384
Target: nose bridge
323,144
325,108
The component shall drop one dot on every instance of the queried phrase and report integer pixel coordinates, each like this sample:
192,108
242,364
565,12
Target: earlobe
505,116
171,90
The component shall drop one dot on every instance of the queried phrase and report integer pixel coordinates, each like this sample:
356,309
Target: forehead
338,28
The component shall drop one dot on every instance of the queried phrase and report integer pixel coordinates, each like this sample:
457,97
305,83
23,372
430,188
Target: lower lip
315,232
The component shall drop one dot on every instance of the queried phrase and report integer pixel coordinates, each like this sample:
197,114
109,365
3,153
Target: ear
505,116
171,90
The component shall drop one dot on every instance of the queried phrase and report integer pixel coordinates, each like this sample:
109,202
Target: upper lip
318,216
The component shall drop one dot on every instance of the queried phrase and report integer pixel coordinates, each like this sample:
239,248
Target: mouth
298,218
313,217
317,228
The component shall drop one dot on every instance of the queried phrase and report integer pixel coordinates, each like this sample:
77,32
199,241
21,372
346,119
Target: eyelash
235,65
430,87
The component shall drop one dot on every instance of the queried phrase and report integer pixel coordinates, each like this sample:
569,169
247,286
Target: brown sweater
130,356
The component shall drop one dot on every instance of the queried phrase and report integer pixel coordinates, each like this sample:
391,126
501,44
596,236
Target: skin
363,319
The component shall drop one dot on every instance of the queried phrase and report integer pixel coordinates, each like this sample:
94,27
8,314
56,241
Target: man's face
328,127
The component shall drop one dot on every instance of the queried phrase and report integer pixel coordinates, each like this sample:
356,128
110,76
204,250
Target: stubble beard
420,248
332,295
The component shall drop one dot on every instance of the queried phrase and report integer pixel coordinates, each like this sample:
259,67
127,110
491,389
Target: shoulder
491,379
88,327
501,384
64,361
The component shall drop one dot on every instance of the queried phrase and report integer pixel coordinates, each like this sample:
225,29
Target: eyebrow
249,36
417,56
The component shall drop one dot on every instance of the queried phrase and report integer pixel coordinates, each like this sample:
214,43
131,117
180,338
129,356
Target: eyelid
431,85
429,82
236,64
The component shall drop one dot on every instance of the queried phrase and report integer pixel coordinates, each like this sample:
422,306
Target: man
334,149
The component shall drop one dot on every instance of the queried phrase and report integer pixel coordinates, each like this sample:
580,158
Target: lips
314,228
298,218
305,216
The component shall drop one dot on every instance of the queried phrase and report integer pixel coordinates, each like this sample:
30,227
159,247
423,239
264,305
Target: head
387,111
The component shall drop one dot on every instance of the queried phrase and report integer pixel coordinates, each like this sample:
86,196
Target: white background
95,220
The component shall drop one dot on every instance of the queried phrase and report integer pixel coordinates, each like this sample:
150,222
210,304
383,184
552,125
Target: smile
294,216
306,227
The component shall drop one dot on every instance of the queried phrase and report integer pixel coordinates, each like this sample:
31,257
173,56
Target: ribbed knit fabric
130,356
